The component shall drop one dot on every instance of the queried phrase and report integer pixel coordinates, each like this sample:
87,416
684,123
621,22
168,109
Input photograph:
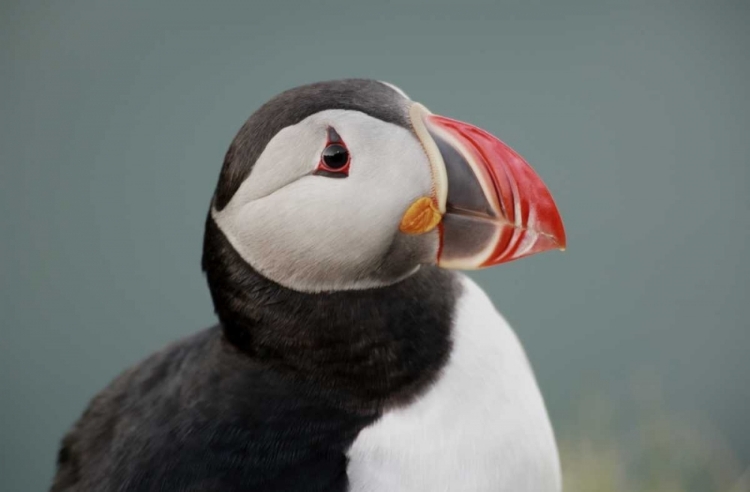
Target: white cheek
292,153
304,240
317,233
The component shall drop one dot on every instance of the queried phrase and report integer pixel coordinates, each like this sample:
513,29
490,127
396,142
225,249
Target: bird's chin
405,257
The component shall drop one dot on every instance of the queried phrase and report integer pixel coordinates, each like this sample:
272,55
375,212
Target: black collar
365,348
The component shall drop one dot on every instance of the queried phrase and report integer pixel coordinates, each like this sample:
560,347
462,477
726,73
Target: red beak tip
562,243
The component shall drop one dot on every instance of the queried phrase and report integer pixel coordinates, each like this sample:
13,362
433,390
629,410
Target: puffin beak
494,208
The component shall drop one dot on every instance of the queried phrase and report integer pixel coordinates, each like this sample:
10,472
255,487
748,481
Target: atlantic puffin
350,355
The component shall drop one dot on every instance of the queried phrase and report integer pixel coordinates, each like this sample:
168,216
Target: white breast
482,427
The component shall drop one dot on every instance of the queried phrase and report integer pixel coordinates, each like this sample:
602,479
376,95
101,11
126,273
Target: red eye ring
335,159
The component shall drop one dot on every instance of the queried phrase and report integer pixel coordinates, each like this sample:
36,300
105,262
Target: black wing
199,416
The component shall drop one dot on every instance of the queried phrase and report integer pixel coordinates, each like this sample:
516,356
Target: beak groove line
417,114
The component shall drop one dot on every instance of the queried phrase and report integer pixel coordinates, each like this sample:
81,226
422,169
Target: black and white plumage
345,359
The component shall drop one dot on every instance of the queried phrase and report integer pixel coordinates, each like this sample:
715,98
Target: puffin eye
335,156
335,159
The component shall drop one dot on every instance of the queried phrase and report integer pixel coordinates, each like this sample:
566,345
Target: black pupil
335,156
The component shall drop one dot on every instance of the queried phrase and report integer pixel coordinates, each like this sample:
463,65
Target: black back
200,416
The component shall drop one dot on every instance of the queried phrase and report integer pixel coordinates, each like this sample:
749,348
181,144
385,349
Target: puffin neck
364,349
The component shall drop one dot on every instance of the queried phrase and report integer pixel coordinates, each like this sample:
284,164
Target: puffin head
351,185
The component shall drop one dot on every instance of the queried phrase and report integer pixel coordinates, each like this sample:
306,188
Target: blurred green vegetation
638,444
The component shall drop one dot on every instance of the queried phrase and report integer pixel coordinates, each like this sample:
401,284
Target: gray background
116,115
